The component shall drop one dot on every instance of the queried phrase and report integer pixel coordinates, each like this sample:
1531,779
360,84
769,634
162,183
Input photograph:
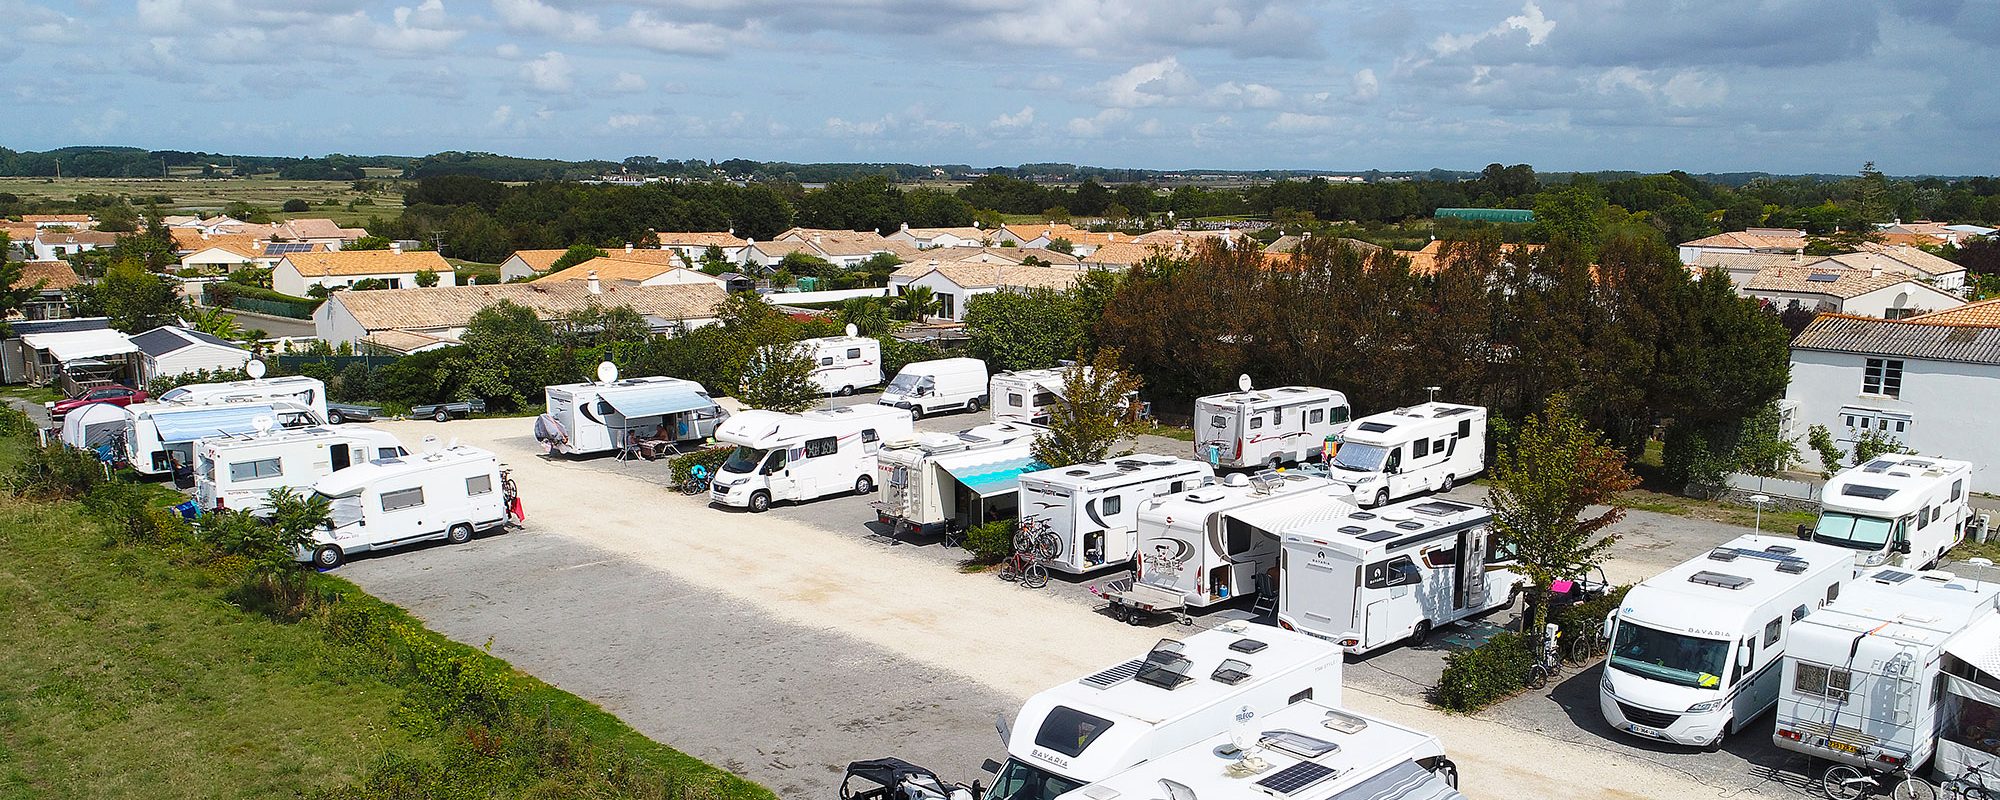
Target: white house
443,312
845,249
171,350
71,221
1924,381
927,238
528,263
1823,286
693,245
955,283
297,273
1904,258
55,243
617,269
231,253
1749,240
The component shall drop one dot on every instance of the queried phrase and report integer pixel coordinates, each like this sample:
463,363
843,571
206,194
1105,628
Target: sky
1735,85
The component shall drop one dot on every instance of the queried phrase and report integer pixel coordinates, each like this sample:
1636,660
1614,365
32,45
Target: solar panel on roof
1295,778
1439,508
1878,465
287,248
1870,492
1822,277
1378,536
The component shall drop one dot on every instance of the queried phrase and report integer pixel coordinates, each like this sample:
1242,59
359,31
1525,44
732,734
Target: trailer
1092,509
1901,509
300,389
239,472
603,416
1220,541
340,413
444,412
942,483
1267,427
1427,447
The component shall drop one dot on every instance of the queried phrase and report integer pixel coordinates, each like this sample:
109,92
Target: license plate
1643,730
1845,747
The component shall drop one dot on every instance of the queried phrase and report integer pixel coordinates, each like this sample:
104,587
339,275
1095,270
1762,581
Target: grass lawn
33,394
328,199
487,273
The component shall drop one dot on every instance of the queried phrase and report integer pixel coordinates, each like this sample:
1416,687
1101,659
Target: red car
115,395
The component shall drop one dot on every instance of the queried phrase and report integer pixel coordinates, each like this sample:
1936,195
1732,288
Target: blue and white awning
181,427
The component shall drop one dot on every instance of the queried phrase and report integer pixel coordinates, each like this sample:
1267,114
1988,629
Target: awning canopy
653,401
1405,781
72,345
91,425
987,476
1275,518
1979,646
181,427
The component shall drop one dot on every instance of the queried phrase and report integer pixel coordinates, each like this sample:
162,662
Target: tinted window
478,484
1068,731
869,435
826,362
854,352
1318,415
1420,448
1013,400
1113,504
405,498
1341,414
821,447
1464,428
250,470
1398,571
1256,423
1772,630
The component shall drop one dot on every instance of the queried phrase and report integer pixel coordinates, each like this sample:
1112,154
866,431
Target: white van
1212,543
1422,448
1267,427
300,389
1862,675
1093,509
1374,578
159,435
239,472
598,417
1909,509
1696,651
448,494
803,456
1179,693
946,384
844,364
937,482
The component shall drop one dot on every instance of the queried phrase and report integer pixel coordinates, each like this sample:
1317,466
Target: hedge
1474,679
227,293
710,457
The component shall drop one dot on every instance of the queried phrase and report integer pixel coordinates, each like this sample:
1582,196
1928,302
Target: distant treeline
132,162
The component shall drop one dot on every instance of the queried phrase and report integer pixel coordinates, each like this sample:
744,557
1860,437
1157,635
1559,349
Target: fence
276,308
1776,487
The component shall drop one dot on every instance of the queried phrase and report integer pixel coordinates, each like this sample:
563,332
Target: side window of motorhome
1318,415
1068,731
775,462
1826,682
869,435
1441,557
1464,428
1341,414
1239,536
1044,399
826,361
1395,460
1256,423
251,470
1306,694
854,352
1277,416
1440,445
1398,571
1014,400
1113,504
1957,490
478,485
1832,592
1799,613
824,446
403,498
1420,448
1772,630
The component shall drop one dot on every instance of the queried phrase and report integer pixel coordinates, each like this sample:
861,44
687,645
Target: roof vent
1720,580
1236,479
1792,567
1781,549
1722,554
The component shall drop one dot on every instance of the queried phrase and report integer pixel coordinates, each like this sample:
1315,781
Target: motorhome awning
986,476
188,426
1275,518
1979,646
1405,781
656,402
68,346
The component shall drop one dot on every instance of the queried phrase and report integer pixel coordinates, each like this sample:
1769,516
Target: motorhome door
1472,544
1318,589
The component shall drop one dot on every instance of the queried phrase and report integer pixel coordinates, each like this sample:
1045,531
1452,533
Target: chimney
1114,237
396,248
732,230
591,282
816,239
1874,270
906,226
628,247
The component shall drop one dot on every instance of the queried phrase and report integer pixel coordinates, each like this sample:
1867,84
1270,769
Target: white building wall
510,269
1948,405
300,286
196,357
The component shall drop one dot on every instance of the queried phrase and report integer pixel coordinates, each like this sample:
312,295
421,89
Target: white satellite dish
430,444
1240,734
1243,382
607,372
254,369
851,330
264,423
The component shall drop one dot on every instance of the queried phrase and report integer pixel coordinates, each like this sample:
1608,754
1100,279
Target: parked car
443,412
115,395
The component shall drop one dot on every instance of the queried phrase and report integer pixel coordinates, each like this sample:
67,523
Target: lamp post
1759,500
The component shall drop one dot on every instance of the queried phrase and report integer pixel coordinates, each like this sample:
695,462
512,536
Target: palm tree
212,320
865,314
915,303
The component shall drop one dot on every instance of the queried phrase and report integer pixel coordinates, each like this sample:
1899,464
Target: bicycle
1587,646
1549,663
1031,548
697,481
1842,782
1971,785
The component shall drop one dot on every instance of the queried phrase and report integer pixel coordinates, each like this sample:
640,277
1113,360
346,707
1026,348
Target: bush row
226,293
1476,678
711,457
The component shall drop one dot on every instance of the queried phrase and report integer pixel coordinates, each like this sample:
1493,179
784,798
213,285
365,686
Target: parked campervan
1181,692
300,389
604,416
1395,573
1695,650
1220,541
946,384
1861,682
1312,750
449,494
1093,509
844,364
1266,427
803,456
1422,448
240,471
937,482
159,436
1030,395
1905,508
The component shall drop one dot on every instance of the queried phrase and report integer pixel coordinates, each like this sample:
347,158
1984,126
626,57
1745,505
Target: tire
972,405
459,534
916,413
864,485
760,502
328,556
1970,792
1421,634
846,391
1914,788
1838,782
441,415
1444,485
1381,498
1035,576
1448,772
1538,677
334,418
1120,613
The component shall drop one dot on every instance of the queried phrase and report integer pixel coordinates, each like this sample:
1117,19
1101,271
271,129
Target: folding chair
1267,596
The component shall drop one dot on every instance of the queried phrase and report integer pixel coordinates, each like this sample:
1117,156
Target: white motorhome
1422,448
1093,509
598,417
1902,508
1267,427
1862,675
161,435
936,482
946,384
1311,751
843,364
1030,395
239,472
1210,544
1392,574
300,389
1969,723
449,494
803,456
1696,651
1180,693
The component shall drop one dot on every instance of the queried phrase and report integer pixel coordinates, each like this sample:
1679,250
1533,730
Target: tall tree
778,377
1090,415
506,355
1022,330
1544,484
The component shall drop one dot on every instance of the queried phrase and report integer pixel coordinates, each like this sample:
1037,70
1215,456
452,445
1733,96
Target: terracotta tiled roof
966,232
365,262
539,260
1125,254
1768,239
780,249
1984,313
97,238
1070,233
983,258
837,242
1908,338
699,239
1824,279
51,275
440,307
979,276
405,341
612,268
1887,255
76,219
1428,260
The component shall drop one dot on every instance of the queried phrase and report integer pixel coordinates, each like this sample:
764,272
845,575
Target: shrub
991,541
139,514
1588,616
356,383
1474,679
295,205
710,457
15,422
56,472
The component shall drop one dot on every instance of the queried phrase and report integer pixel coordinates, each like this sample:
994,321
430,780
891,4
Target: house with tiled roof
927,238
1923,382
693,245
1940,272
955,282
1749,240
845,249
622,269
229,253
1289,243
528,263
1430,259
297,273
70,221
57,243
1927,233
311,230
1082,242
174,350
443,312
51,281
1826,287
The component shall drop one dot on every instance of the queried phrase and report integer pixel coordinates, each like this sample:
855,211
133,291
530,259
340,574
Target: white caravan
300,389
1312,751
1696,650
843,364
1861,683
1093,509
1179,693
803,456
946,384
1213,543
449,493
1905,508
1030,395
1422,448
1396,573
1267,427
938,482
161,435
1969,723
599,417
239,472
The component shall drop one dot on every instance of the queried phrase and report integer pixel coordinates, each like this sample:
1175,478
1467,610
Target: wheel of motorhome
459,534
972,405
327,556
846,391
916,412
1381,498
1445,485
864,485
1421,634
760,502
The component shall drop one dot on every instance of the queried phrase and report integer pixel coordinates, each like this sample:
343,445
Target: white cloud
1366,86
628,82
1150,84
100,126
653,32
535,16
501,116
631,122
1293,122
419,29
1015,121
1097,126
509,51
550,73
1248,95
1537,25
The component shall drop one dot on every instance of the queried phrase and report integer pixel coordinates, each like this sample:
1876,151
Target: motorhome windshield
176,395
743,460
1021,781
1849,530
905,383
1672,657
1357,457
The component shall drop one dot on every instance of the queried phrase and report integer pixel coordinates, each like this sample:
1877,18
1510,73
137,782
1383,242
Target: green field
192,195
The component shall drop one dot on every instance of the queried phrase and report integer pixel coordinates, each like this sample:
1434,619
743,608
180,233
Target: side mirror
1902,546
1805,531
1609,617
1000,724
1744,657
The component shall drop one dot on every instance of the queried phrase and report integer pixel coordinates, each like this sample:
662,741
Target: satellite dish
263,422
1243,382
254,369
430,444
607,372
1240,734
852,331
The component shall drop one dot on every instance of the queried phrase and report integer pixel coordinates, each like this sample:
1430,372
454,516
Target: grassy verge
486,273
33,394
1781,522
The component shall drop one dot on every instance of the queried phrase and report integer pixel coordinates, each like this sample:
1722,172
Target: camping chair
631,448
